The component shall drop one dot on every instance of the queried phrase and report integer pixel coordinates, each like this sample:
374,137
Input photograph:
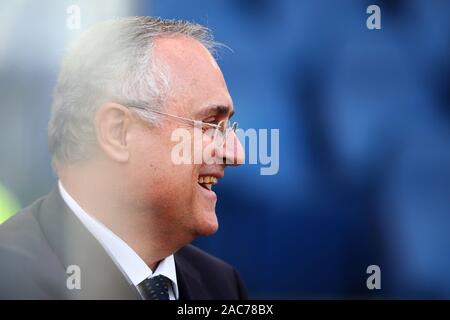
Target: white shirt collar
126,259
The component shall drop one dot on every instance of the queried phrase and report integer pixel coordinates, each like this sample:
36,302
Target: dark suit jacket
39,243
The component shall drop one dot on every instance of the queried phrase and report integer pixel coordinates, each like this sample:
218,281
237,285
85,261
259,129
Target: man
119,223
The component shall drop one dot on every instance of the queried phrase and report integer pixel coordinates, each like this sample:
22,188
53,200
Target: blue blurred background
364,119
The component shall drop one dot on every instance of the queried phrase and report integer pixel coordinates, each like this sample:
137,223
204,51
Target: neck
147,236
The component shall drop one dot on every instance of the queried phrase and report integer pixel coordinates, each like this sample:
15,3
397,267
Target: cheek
162,180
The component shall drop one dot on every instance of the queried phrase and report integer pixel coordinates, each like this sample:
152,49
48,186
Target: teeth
207,180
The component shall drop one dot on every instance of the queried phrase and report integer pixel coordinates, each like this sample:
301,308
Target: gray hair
112,61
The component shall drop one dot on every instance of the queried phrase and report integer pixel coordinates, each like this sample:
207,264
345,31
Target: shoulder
219,278
201,258
22,230
23,247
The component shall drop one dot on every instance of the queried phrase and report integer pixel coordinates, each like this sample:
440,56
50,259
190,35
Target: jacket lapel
189,279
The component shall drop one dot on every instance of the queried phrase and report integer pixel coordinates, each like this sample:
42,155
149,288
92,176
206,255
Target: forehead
197,82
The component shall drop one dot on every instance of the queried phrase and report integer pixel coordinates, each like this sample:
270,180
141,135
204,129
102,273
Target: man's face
172,192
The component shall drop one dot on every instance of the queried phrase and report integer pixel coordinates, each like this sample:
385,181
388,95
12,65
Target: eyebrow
220,110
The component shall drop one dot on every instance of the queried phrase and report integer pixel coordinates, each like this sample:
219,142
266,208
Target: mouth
207,182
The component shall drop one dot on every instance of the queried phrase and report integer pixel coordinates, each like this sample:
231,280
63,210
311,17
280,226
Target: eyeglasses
217,132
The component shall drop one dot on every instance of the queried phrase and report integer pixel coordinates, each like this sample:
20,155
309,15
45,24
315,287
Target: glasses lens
221,133
218,133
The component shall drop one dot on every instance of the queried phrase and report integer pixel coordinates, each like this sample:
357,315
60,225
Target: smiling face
179,195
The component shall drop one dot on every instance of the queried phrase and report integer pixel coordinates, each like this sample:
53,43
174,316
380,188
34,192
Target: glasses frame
225,128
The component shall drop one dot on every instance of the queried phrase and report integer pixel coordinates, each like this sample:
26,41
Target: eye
207,127
207,121
212,120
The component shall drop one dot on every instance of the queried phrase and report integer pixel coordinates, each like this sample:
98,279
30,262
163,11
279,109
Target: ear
112,124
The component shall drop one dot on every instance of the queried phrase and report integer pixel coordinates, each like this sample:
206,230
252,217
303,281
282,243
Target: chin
208,225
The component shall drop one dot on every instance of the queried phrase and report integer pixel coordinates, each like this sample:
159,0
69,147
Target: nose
232,151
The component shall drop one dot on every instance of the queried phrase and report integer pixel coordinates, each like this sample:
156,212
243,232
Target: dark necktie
156,288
